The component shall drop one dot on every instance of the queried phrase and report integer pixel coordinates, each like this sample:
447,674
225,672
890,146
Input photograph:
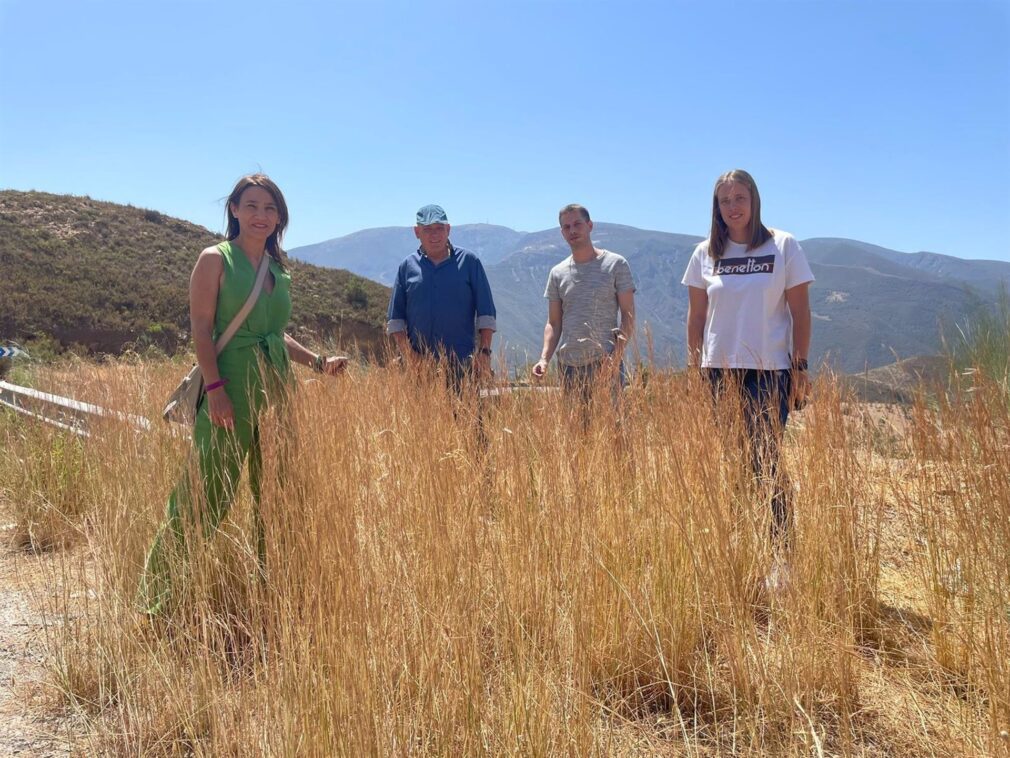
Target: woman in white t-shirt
748,323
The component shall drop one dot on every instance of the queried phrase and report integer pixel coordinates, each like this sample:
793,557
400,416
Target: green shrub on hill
983,344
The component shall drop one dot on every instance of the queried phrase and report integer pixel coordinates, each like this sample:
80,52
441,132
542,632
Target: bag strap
261,275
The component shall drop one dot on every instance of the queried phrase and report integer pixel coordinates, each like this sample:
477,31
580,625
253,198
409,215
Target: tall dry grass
535,590
961,505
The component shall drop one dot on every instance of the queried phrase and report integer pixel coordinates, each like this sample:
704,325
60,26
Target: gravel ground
31,723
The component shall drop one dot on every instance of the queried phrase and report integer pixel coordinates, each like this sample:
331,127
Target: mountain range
871,306
105,277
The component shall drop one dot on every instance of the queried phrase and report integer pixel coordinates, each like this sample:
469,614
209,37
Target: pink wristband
215,385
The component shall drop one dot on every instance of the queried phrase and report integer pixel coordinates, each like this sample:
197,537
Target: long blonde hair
719,235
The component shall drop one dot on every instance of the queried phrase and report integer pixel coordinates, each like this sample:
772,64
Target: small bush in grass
984,342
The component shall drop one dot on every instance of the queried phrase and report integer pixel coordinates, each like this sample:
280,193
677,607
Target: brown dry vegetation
543,592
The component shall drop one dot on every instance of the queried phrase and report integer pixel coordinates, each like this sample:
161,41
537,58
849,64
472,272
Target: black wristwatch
485,351
800,364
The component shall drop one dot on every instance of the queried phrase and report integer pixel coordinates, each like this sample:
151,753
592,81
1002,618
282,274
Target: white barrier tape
24,411
71,414
509,390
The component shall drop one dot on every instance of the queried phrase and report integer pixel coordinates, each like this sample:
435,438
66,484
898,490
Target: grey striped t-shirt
588,296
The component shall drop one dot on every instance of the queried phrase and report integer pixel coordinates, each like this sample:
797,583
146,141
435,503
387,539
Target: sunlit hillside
103,278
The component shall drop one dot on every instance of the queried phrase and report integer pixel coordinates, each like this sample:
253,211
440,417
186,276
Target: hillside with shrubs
101,278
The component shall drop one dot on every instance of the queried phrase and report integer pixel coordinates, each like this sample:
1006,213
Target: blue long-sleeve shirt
441,306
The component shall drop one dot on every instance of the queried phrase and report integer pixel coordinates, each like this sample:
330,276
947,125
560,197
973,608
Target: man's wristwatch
485,351
800,364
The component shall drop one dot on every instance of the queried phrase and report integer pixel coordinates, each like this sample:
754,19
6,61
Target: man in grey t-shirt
586,293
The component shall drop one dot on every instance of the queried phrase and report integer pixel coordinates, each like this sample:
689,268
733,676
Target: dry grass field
534,590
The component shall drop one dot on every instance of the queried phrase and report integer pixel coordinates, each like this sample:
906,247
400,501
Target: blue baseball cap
431,214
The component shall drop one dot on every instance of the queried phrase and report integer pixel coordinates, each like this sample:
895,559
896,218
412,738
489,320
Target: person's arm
204,284
697,312
332,365
624,289
798,301
403,345
552,334
486,318
396,324
484,303
482,356
624,335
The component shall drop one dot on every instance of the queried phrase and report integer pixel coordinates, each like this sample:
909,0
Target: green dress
255,362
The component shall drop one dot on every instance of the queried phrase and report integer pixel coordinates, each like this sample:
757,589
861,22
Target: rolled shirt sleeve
485,310
396,315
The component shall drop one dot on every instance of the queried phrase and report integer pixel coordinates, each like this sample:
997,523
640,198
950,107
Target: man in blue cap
440,298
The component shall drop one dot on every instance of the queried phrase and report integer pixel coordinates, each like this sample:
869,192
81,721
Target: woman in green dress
252,369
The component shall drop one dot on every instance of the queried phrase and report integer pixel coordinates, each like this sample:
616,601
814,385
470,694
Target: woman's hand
219,407
799,389
335,364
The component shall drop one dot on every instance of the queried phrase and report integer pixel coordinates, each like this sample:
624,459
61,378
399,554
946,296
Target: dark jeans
455,373
582,380
764,401
453,370
459,375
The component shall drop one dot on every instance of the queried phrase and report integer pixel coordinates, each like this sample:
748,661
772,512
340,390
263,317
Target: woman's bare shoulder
210,257
214,251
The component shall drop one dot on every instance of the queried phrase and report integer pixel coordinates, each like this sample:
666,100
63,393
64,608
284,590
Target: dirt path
31,723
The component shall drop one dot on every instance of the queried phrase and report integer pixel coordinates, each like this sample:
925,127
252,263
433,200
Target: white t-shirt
748,323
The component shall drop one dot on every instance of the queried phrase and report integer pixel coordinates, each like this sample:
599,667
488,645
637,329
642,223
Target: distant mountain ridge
108,277
871,305
376,253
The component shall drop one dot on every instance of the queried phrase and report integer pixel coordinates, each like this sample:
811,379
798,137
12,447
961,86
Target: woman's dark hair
719,235
274,248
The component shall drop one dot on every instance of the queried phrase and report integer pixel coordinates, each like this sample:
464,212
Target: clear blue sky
885,121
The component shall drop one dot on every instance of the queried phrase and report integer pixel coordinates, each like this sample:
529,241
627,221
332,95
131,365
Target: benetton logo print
762,264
